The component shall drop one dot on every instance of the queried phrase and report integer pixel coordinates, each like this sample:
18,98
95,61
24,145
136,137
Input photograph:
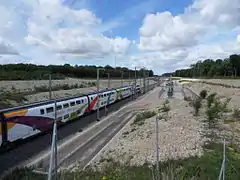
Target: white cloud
51,27
162,31
78,37
7,49
238,38
194,30
48,32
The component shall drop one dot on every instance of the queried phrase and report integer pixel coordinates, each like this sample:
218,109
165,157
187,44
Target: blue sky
162,35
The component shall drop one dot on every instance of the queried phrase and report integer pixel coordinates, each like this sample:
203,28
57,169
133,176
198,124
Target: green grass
141,117
165,107
203,168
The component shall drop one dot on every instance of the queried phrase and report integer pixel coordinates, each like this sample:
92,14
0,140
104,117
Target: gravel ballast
179,136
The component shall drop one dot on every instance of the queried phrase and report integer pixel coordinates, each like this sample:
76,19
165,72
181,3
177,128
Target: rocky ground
233,93
229,123
231,82
179,136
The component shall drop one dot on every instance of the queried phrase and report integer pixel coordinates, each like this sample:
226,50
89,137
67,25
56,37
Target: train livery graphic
19,123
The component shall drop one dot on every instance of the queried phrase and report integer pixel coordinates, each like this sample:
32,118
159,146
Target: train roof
101,91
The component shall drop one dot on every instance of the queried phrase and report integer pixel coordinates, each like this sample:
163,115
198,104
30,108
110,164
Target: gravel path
179,136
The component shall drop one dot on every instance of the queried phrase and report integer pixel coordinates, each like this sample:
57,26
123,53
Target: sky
162,35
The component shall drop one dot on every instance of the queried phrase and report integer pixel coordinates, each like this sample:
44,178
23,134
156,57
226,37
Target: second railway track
83,148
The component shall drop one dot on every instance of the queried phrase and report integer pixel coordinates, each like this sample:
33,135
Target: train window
66,116
82,100
49,110
66,105
78,102
72,103
42,111
59,107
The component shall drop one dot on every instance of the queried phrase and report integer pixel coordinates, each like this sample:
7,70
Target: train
23,122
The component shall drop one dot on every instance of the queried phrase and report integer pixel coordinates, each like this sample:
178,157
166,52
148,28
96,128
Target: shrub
215,108
140,118
210,99
236,112
187,98
197,104
165,107
203,94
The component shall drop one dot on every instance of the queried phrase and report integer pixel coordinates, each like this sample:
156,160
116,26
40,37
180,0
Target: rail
161,93
193,95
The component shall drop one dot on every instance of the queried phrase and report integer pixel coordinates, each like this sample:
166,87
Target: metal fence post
222,170
53,156
135,82
224,158
108,80
157,149
122,79
98,94
50,87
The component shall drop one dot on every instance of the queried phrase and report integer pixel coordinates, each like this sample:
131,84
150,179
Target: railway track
84,147
189,94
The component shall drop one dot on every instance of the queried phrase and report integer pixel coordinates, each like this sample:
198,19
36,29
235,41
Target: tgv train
22,122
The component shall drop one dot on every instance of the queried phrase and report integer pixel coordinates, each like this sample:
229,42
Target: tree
37,72
210,68
235,61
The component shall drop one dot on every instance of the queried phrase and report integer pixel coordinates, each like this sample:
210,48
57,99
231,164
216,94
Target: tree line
40,72
228,67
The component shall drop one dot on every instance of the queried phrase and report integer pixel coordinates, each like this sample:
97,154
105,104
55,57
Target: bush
197,104
140,118
215,108
236,112
203,94
187,98
210,99
165,107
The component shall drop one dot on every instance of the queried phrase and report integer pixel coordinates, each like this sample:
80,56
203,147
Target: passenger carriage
25,121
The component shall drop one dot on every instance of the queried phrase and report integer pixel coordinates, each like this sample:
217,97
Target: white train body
26,121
